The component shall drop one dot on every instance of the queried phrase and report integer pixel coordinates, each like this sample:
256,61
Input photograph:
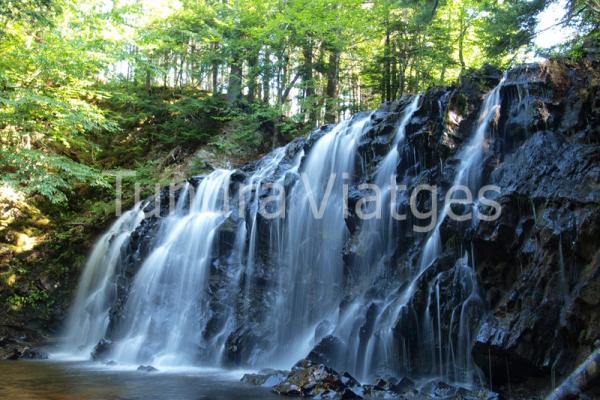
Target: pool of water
24,380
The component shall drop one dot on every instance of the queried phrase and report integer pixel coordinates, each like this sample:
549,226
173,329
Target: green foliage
257,126
36,299
93,85
163,118
52,176
30,11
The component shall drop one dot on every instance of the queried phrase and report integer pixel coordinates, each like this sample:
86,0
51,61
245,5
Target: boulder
310,379
327,351
34,354
404,385
265,378
101,350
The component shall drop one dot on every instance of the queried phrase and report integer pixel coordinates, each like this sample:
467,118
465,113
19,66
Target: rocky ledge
311,379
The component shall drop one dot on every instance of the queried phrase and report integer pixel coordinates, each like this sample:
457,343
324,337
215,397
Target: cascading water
469,170
88,317
166,306
376,234
381,331
220,285
313,237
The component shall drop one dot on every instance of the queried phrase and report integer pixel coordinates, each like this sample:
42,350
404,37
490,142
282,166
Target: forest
105,99
83,83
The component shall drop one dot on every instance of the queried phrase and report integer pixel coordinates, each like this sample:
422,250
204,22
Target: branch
435,6
288,89
580,380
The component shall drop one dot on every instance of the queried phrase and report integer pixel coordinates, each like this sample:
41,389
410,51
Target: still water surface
25,380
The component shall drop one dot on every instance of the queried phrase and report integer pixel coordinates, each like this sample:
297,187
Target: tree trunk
393,74
179,75
307,69
309,85
288,89
580,380
148,80
282,78
215,71
402,78
331,89
461,41
234,88
166,73
252,74
460,54
386,89
266,77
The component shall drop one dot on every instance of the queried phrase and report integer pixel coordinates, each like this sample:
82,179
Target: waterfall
88,317
166,306
224,285
463,274
379,351
313,240
469,170
376,235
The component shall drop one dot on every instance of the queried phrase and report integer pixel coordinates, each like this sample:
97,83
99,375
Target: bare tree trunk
386,87
282,78
580,380
166,74
461,40
179,72
309,84
393,74
286,92
331,90
252,74
148,80
266,76
234,88
215,71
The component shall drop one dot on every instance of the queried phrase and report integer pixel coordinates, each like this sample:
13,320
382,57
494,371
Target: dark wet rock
102,349
310,379
439,389
13,354
266,378
381,383
327,351
372,391
404,385
288,389
34,354
349,394
349,380
240,344
11,349
147,368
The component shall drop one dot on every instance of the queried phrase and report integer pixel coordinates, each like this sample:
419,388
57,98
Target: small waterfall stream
469,170
221,285
89,315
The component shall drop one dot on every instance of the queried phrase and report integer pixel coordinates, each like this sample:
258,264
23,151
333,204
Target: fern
52,176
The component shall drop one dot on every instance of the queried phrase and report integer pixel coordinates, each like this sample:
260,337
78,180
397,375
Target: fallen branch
580,380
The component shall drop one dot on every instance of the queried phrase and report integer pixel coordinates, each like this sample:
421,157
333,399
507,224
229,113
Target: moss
41,255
